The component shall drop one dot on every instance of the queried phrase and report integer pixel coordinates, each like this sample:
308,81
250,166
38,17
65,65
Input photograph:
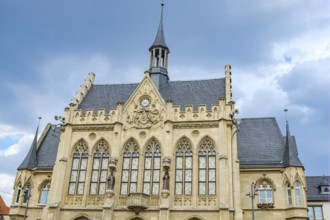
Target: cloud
6,187
25,140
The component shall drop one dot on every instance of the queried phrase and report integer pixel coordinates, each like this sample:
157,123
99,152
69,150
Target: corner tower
159,56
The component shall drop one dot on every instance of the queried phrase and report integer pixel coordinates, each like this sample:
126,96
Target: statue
111,181
166,181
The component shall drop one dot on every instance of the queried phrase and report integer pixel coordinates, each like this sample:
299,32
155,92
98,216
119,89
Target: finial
39,119
286,114
162,3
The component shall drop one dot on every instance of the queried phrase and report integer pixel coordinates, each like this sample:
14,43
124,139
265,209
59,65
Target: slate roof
261,144
160,37
313,188
204,92
44,156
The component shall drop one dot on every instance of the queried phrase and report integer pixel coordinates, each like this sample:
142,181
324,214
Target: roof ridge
258,118
196,80
119,84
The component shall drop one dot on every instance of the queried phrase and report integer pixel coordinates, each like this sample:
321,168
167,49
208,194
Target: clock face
145,102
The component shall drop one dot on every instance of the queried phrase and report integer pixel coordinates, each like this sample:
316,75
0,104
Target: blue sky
279,52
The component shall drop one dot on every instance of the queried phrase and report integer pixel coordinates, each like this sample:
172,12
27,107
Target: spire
30,161
160,38
290,157
159,56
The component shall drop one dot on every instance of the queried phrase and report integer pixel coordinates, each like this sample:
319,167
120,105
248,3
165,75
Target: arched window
129,176
265,193
298,193
183,168
100,169
206,168
27,191
18,194
289,193
44,194
78,170
152,161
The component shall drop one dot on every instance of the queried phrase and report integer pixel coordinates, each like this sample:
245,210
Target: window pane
43,197
102,189
179,162
310,213
133,187
156,176
157,163
212,188
96,163
126,163
72,187
147,175
95,175
123,189
178,188
188,162
155,189
75,163
202,161
80,188
135,163
187,189
82,176
105,162
146,188
211,162
147,163
202,188
318,212
83,164
211,175
74,176
262,196
269,196
178,176
202,175
124,177
103,176
134,176
93,188
187,175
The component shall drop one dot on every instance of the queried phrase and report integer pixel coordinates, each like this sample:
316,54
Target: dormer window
325,189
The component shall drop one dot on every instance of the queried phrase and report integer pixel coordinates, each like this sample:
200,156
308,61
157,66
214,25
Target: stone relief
144,117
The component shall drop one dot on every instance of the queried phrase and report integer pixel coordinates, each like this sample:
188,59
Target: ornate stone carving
73,200
144,117
209,201
182,201
95,200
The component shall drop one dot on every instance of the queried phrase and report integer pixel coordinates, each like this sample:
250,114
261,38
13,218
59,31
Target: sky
279,52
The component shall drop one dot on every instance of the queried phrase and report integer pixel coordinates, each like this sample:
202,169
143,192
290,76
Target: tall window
129,176
315,212
289,194
44,194
265,193
298,193
206,168
152,168
19,190
27,193
183,168
78,170
100,169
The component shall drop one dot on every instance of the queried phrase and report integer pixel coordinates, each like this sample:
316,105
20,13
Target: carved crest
142,117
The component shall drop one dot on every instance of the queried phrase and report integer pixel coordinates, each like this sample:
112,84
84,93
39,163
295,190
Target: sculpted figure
111,181
166,181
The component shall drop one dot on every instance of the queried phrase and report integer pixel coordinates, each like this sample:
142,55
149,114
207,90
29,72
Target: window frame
313,208
45,189
298,193
265,188
18,193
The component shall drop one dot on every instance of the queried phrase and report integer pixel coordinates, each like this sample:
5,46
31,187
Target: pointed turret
290,157
159,56
30,162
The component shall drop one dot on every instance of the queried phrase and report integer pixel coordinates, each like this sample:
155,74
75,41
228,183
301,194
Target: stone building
160,149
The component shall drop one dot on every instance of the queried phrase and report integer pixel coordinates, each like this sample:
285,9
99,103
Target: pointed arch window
183,168
129,176
206,168
298,193
289,194
152,162
18,194
100,169
78,170
44,193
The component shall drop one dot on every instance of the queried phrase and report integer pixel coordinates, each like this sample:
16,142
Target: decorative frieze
95,200
196,125
73,200
209,201
182,201
93,128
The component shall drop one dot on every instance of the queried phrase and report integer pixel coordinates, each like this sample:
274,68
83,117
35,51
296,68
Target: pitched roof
4,209
313,188
44,157
261,144
30,160
205,92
